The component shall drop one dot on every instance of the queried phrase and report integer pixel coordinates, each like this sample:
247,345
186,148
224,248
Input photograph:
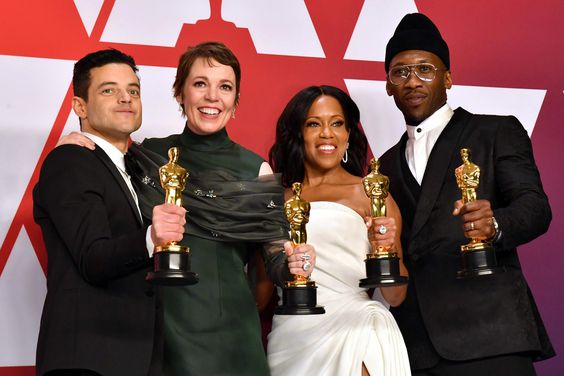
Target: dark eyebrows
106,83
341,116
113,83
205,78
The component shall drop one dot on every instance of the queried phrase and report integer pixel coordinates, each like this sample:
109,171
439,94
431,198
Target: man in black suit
485,325
99,315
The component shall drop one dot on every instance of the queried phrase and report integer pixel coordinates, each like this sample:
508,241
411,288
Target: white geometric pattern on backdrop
376,24
276,27
169,15
30,101
280,28
89,11
22,292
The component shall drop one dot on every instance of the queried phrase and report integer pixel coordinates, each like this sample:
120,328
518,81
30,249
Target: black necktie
130,164
132,168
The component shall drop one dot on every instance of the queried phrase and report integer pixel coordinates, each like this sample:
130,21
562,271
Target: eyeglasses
424,71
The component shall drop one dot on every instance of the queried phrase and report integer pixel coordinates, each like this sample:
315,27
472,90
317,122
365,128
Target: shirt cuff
149,242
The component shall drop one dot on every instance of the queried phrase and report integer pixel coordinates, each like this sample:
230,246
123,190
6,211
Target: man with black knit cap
484,325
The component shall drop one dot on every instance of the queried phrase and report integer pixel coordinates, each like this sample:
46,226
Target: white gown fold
355,329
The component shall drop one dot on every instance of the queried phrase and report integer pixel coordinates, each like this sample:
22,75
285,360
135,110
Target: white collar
439,119
114,153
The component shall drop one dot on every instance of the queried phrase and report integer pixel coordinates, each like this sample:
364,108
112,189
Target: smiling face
418,99
113,108
208,96
325,135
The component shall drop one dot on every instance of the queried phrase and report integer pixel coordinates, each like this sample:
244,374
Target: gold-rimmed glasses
424,71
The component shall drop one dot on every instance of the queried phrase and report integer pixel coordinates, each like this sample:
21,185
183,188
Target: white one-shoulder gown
355,329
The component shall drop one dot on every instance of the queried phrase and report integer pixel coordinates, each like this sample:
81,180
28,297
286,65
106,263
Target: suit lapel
439,161
119,179
401,185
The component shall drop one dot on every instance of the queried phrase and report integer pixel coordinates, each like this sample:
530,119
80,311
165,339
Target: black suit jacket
478,317
99,312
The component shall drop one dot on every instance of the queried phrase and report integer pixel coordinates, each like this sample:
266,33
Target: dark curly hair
287,154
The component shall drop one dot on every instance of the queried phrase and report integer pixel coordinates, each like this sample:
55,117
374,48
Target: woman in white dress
319,143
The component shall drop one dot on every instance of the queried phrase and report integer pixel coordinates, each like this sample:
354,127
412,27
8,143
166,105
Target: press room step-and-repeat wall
507,57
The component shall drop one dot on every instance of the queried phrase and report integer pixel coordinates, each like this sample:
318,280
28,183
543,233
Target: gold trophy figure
467,177
478,256
173,178
382,263
172,260
299,295
297,213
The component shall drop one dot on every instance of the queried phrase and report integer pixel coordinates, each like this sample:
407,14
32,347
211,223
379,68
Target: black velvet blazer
99,313
456,319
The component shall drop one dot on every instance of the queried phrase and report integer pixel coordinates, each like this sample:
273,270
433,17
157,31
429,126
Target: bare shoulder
361,201
347,191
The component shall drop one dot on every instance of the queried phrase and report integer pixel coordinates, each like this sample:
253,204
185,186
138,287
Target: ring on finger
306,266
382,230
472,226
305,256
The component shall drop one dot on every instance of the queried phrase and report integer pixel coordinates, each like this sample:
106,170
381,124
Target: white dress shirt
422,139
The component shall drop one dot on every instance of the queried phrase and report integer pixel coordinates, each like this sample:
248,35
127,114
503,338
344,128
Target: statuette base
382,272
172,267
299,300
478,261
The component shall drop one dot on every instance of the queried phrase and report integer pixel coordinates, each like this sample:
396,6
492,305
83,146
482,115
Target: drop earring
233,114
346,156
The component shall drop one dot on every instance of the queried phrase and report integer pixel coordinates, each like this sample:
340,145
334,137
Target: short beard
412,121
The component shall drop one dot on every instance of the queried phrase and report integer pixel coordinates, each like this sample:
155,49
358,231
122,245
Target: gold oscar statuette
172,260
173,180
299,295
478,256
376,186
382,263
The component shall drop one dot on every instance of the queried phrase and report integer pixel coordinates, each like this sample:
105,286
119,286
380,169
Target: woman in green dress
212,328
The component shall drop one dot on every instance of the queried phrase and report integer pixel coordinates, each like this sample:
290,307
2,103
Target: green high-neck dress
212,327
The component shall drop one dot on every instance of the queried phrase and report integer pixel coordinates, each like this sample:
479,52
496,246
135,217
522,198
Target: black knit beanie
417,32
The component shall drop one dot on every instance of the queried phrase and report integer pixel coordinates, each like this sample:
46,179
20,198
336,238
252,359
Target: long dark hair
287,154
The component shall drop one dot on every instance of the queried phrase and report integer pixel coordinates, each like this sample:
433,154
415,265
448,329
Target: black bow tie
131,166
